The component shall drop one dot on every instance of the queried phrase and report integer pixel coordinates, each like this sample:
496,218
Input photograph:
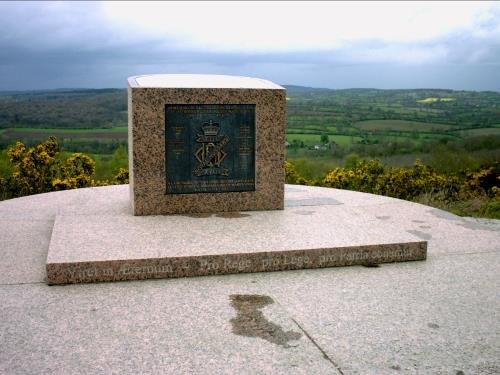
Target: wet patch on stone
231,215
383,217
475,224
251,322
419,234
444,215
469,222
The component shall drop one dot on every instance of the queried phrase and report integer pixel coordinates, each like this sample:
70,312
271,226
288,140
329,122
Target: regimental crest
211,154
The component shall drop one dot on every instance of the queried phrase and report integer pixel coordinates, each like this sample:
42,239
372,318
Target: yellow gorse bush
40,169
372,177
486,179
34,168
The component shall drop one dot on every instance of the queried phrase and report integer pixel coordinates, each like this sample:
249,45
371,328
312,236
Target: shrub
122,176
409,183
76,172
40,169
361,177
34,167
491,209
485,179
404,183
292,176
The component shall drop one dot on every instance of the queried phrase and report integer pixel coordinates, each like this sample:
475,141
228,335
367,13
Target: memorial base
112,247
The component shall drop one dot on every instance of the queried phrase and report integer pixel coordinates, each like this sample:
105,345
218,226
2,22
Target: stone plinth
202,143
310,233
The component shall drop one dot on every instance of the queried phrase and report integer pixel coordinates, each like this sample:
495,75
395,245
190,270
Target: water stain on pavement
251,322
419,234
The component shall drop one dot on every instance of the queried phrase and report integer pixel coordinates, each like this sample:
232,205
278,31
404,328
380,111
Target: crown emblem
210,128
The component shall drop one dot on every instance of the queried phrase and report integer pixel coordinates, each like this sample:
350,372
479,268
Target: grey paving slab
157,327
446,233
112,200
23,250
44,206
18,229
434,317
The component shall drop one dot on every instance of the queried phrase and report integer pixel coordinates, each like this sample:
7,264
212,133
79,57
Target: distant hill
107,108
63,108
303,89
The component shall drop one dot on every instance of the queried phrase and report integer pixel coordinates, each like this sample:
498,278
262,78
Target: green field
344,139
368,122
401,125
478,131
309,139
314,139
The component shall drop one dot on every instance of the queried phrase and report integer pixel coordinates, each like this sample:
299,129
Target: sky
387,45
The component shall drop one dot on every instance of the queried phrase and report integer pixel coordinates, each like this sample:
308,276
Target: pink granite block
150,145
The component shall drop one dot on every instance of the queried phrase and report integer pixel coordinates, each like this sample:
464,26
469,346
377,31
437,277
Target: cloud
301,26
85,44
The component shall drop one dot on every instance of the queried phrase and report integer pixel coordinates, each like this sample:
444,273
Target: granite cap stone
179,163
199,81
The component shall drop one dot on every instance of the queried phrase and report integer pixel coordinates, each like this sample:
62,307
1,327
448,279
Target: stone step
112,247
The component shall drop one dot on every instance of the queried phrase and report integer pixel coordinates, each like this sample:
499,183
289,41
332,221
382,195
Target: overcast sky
453,45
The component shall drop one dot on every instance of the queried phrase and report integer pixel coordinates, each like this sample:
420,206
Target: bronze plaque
209,148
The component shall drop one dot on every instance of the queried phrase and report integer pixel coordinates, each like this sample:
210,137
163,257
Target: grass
302,137
478,131
313,139
401,125
313,168
344,139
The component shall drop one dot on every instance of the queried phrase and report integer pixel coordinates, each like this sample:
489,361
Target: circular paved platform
437,316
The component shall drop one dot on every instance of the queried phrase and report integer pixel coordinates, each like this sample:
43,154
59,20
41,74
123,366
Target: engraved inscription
209,148
228,264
